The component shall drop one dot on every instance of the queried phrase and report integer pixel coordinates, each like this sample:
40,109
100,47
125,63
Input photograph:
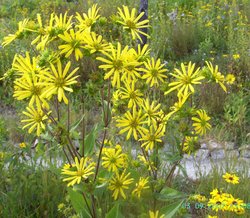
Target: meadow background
181,31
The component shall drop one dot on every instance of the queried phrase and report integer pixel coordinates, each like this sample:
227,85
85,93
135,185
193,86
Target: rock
245,153
202,154
204,146
212,145
229,145
218,154
188,157
232,154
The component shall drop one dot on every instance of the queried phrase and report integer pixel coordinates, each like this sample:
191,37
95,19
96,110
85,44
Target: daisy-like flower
190,144
35,119
142,53
78,172
235,204
22,145
155,214
216,193
132,123
74,43
58,81
94,42
114,64
30,87
132,22
113,159
153,72
217,204
201,122
230,78
118,183
87,20
62,23
231,178
152,111
131,94
185,79
140,185
18,34
152,136
216,75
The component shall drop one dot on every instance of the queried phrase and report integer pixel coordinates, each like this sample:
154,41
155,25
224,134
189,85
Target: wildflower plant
51,80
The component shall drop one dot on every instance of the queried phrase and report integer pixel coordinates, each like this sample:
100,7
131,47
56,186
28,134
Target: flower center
131,24
154,72
118,64
59,82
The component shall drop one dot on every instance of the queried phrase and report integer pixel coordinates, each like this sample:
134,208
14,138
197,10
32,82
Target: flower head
201,122
78,172
231,178
35,120
230,78
59,80
185,79
132,22
118,183
132,123
142,184
154,72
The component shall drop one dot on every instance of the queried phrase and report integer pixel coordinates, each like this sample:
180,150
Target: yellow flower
236,56
30,86
113,158
240,211
235,205
36,119
146,163
155,214
209,216
88,19
190,144
61,24
133,95
74,41
80,171
185,79
201,122
217,204
152,111
22,145
132,123
199,198
58,81
132,22
142,184
216,75
216,193
230,78
152,136
153,72
115,63
142,53
118,183
94,42
231,178
19,33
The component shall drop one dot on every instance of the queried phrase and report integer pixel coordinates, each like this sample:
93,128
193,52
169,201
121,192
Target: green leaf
114,212
167,194
89,141
76,124
107,109
170,210
78,203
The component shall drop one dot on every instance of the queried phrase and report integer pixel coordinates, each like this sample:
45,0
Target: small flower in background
209,216
118,183
199,198
80,171
200,123
230,78
231,178
155,214
22,145
236,56
132,22
190,144
142,184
